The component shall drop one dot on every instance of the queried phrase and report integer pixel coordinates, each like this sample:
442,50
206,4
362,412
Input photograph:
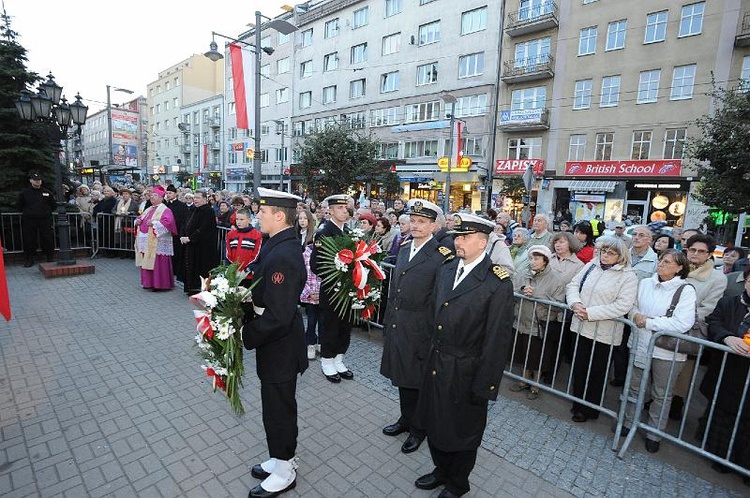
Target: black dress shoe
395,429
259,492
348,375
429,481
446,493
720,468
412,444
28,264
258,472
652,446
335,378
579,417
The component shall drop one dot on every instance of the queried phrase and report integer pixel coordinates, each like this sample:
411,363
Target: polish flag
243,74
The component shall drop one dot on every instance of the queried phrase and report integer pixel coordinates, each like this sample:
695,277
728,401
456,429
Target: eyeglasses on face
609,252
693,250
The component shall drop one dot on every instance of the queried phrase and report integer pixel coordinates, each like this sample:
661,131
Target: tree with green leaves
24,146
337,157
723,153
513,188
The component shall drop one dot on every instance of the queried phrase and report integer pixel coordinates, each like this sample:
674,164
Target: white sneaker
311,352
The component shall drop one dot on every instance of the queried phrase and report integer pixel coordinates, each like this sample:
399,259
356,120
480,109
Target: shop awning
591,186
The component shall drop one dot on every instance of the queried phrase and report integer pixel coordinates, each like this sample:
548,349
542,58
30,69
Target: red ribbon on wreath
203,320
361,260
217,380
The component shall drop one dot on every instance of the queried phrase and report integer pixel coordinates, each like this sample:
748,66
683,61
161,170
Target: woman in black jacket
727,325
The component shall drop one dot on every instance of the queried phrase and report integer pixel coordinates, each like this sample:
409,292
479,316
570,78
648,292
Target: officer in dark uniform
36,204
275,331
408,320
472,335
335,333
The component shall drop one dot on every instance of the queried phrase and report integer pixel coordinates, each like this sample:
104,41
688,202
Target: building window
616,35
361,17
641,148
176,102
587,41
471,105
471,65
385,117
389,150
265,129
282,65
358,53
305,69
167,86
610,91
265,71
305,100
577,147
604,146
158,108
473,20
166,105
298,129
307,37
429,33
329,94
265,100
582,94
357,89
284,38
389,82
532,9
427,74
648,86
524,148
418,113
331,62
391,43
744,85
683,79
532,53
392,7
282,95
674,143
656,27
529,98
177,81
420,148
691,19
471,146
331,28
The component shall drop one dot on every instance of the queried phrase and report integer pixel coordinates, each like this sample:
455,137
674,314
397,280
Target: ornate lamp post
48,106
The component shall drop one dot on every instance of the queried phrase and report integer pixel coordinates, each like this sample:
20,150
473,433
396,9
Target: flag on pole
457,144
205,156
4,296
243,74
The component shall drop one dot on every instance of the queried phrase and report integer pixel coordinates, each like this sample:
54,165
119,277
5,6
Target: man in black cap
471,338
274,329
408,321
336,332
180,213
36,204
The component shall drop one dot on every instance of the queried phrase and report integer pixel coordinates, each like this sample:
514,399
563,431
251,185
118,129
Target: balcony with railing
528,69
214,122
743,37
216,145
524,119
185,149
532,19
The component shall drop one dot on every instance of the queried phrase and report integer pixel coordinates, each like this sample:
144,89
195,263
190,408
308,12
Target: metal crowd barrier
11,230
676,433
113,233
221,240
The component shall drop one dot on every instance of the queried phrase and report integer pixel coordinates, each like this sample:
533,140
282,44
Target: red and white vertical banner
205,156
243,76
457,144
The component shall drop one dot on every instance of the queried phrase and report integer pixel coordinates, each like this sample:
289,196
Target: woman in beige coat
603,290
538,281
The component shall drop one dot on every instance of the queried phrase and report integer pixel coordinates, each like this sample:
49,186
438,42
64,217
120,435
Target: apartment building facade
201,141
187,82
600,96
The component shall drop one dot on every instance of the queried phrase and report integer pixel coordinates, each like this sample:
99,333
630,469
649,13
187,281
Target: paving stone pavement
101,394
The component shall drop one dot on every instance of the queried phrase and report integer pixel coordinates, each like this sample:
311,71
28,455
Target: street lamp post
283,27
110,154
282,132
50,106
449,99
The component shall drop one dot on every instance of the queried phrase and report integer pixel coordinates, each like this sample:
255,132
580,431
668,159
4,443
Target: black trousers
621,355
279,406
596,378
408,398
335,333
31,228
454,468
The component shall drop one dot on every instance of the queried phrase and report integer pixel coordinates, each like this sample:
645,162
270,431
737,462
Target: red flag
243,72
205,156
4,296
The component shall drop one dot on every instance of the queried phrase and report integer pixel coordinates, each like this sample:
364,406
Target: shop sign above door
619,169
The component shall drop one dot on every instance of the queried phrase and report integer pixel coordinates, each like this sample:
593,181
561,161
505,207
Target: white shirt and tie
415,249
464,269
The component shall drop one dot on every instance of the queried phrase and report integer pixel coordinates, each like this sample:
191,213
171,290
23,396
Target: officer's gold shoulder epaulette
445,251
500,272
